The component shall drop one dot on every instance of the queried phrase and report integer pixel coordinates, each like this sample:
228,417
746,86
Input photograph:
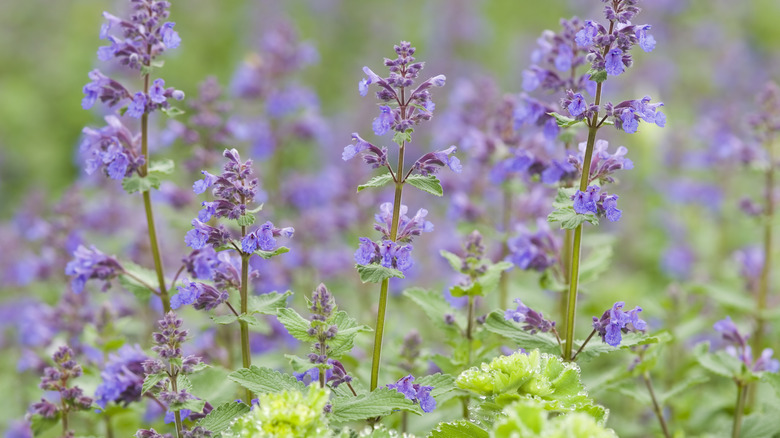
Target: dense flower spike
534,321
408,228
112,148
534,250
432,161
627,114
615,321
123,377
404,110
600,204
89,264
739,348
603,164
202,296
415,392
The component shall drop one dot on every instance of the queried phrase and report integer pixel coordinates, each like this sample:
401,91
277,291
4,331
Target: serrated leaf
220,418
403,137
211,384
565,122
172,111
262,380
164,166
151,380
595,263
496,323
597,76
570,219
720,362
245,220
596,347
295,324
225,319
774,381
428,184
344,340
195,406
443,385
300,364
436,307
376,273
268,254
40,424
564,197
267,304
455,262
377,181
379,403
134,183
490,279
458,429
760,425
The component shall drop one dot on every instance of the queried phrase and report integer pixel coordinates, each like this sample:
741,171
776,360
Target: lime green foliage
527,418
381,431
288,414
553,384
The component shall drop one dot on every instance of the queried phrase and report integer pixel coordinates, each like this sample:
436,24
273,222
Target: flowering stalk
246,352
506,220
740,408
656,407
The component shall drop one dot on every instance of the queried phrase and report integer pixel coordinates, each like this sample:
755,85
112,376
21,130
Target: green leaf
211,384
720,362
300,364
225,319
597,76
40,424
565,122
172,111
377,181
164,166
151,380
443,385
403,137
344,340
376,273
195,406
295,324
220,418
595,263
760,425
113,344
268,254
378,403
497,324
256,210
436,307
563,197
596,348
267,304
774,380
458,429
245,220
428,183
682,387
135,183
490,279
570,219
455,262
262,380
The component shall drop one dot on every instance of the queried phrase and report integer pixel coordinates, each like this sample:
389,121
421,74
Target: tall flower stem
246,353
574,274
765,279
176,414
740,409
656,407
380,317
154,246
566,272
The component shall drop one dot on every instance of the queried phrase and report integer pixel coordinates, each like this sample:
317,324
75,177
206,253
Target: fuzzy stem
64,422
246,354
380,317
740,408
566,253
506,220
574,276
158,267
176,414
656,407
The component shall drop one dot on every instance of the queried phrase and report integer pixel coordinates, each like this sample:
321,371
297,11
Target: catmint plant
121,152
71,398
609,55
234,190
402,107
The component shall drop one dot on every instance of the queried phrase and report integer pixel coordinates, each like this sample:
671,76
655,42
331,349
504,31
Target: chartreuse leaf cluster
342,343
527,418
547,380
564,211
285,414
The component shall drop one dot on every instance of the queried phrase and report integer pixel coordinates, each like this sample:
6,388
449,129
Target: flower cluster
534,321
415,392
201,295
534,250
90,263
432,161
409,110
533,112
57,378
407,227
739,348
123,377
602,164
112,147
615,321
410,351
322,308
335,375
592,200
628,113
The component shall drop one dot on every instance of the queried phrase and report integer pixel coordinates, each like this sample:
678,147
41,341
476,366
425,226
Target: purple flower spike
614,322
91,263
415,392
432,161
534,321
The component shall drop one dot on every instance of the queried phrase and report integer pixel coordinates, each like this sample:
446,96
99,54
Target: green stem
158,267
470,327
765,280
566,252
506,222
380,317
109,428
176,414
740,409
656,407
246,353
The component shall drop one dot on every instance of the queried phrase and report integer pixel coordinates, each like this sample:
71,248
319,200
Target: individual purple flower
263,238
585,202
415,392
609,204
408,227
189,292
556,171
534,321
630,122
646,41
363,86
377,157
366,252
201,185
584,37
170,37
157,91
614,62
577,105
432,161
383,123
614,322
603,164
751,264
563,60
117,168
137,107
90,263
